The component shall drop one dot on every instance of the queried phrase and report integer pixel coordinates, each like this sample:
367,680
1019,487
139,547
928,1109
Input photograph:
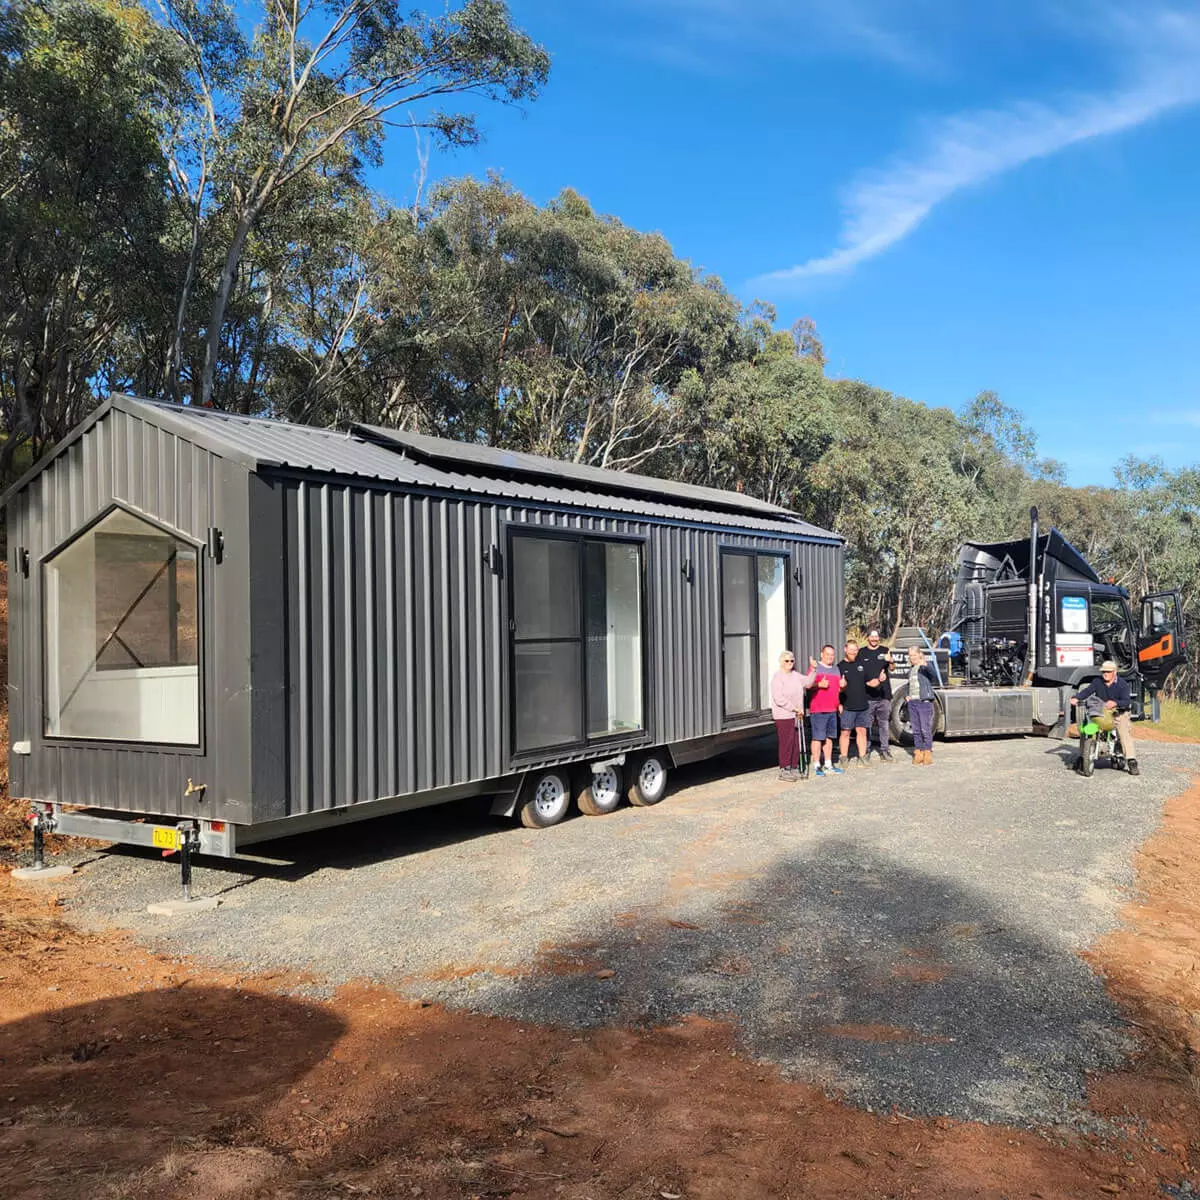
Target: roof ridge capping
447,451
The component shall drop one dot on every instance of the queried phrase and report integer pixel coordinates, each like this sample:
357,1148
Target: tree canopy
185,213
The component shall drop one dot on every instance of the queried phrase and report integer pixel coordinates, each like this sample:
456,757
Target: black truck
1031,622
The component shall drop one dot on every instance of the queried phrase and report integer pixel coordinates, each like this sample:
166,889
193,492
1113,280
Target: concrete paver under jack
185,903
41,874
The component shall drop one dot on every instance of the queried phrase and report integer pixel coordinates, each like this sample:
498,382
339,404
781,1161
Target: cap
1108,665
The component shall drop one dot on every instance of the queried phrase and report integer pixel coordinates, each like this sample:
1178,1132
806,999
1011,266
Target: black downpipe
1031,656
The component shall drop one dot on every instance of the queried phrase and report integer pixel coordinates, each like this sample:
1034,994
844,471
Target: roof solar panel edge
444,449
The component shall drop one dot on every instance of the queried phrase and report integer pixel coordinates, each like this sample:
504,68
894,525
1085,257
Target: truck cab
1094,622
1031,622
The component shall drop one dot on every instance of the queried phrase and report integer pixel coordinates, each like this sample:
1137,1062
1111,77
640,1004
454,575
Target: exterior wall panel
122,459
356,632
397,634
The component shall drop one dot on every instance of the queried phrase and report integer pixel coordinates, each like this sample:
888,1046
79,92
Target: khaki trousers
1124,724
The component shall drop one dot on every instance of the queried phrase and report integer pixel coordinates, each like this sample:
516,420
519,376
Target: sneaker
836,771
1133,767
784,774
819,772
886,756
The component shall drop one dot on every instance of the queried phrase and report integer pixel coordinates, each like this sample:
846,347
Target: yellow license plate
166,839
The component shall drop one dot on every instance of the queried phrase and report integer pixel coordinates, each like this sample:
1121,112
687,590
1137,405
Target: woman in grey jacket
921,679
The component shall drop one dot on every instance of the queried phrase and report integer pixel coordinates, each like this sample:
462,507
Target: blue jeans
881,715
920,713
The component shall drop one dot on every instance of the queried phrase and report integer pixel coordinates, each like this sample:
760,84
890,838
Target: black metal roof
392,456
513,463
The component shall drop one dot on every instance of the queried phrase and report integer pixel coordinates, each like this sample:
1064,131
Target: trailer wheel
602,793
899,724
649,782
548,800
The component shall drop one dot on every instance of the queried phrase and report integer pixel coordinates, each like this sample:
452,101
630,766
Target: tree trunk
175,352
216,319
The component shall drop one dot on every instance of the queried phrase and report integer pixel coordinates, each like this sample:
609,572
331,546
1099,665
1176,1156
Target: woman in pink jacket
787,707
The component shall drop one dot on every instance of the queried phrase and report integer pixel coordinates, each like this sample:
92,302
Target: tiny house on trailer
226,629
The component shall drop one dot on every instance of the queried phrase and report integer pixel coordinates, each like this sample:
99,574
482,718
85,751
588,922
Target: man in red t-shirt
823,711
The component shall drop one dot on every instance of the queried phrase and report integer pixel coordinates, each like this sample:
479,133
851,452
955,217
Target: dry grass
1180,720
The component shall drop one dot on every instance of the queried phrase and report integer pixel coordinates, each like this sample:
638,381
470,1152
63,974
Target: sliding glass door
754,627
577,630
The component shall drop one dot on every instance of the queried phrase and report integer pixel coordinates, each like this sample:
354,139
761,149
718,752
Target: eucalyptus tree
313,88
81,204
552,329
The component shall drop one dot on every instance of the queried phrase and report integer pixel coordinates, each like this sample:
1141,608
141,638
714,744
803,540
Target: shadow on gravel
114,1085
393,837
853,971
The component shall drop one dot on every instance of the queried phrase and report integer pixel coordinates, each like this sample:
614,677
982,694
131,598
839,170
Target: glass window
613,620
122,636
739,675
772,622
546,587
754,613
737,571
577,640
548,689
1112,636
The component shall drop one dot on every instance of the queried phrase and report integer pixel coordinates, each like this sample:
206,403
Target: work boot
929,758
1133,767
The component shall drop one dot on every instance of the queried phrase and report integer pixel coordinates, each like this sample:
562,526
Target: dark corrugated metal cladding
124,459
397,632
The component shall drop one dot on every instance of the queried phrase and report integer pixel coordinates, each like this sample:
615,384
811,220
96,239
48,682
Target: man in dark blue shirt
1110,694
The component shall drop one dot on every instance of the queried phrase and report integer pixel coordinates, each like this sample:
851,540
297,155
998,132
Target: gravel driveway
901,936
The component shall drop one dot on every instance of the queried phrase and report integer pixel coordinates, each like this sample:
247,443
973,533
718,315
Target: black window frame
754,553
197,749
580,538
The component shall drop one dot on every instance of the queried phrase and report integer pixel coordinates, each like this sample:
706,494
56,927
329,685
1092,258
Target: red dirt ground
126,1075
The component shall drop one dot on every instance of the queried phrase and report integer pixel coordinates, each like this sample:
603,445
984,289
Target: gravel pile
902,936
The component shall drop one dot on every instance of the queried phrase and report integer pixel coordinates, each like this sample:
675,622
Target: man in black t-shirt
854,708
877,659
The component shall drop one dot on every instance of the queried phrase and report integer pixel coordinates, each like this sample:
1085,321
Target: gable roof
395,457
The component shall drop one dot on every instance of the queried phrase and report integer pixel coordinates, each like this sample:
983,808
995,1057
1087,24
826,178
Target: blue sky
962,195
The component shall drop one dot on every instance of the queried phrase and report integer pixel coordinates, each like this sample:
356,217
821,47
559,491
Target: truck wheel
648,784
547,801
899,724
602,793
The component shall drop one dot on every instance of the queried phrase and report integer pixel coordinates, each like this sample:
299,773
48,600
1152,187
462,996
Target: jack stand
39,871
173,908
185,865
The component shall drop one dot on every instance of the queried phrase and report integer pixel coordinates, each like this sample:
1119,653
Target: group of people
853,696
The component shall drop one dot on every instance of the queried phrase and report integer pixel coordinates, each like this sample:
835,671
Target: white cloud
882,207
1176,417
699,35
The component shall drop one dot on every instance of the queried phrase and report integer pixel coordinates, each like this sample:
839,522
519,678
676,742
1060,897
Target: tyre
899,725
648,780
602,793
547,800
1087,755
